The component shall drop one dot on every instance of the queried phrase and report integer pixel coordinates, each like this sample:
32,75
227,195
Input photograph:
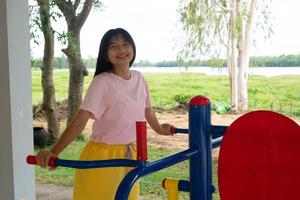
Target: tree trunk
244,66
229,67
49,101
242,72
76,81
75,21
233,58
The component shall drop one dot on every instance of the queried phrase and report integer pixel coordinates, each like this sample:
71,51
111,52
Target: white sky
286,37
153,26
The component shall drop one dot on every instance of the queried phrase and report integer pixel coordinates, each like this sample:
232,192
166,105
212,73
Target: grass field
280,93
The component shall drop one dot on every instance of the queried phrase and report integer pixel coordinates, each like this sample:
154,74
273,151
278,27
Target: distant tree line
276,61
62,62
261,61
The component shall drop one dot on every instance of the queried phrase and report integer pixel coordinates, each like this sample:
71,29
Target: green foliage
217,62
220,107
208,24
69,38
276,61
60,62
36,63
204,26
182,99
261,61
98,5
34,23
90,62
143,63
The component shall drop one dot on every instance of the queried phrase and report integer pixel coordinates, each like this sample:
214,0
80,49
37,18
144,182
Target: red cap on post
141,139
199,100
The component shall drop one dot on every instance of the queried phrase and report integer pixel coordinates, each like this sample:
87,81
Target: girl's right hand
166,129
43,157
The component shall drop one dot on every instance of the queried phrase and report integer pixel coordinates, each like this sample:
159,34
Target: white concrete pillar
16,138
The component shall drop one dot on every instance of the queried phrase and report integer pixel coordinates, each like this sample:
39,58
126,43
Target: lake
264,71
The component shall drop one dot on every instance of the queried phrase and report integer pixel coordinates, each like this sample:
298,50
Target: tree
75,15
77,70
42,20
209,24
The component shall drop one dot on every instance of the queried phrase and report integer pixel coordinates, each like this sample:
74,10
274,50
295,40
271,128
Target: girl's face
120,52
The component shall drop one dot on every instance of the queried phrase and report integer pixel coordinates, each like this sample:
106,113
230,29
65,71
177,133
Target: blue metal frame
217,131
184,186
80,164
200,145
151,167
182,130
199,139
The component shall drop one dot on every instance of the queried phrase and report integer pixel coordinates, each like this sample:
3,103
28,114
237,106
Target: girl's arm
71,132
162,129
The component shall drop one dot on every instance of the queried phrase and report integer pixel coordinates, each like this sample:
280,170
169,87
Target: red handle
32,161
163,183
141,140
173,130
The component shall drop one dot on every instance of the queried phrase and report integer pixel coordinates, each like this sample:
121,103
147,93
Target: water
263,71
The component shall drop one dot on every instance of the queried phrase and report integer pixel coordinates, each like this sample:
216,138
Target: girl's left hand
166,129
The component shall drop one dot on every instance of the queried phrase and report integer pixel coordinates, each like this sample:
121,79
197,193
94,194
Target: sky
154,28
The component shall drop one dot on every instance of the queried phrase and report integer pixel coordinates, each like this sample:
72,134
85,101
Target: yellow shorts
102,183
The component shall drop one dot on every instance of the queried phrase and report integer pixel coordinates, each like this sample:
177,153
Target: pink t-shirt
116,104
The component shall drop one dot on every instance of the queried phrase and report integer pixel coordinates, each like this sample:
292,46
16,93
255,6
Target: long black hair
103,64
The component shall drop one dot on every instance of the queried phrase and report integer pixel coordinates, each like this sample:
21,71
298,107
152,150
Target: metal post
200,139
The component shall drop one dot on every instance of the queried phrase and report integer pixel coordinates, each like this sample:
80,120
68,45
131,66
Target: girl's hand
166,129
43,157
72,131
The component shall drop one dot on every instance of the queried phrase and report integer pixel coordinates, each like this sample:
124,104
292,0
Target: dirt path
178,118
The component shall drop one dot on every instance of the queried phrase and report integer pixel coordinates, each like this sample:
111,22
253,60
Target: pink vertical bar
141,140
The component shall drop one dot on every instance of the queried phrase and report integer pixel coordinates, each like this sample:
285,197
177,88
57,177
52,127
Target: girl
116,98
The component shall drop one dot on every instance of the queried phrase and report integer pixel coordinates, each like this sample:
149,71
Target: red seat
260,158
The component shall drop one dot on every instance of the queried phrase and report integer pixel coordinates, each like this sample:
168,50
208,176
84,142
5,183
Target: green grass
279,89
281,92
150,185
61,175
61,82
165,87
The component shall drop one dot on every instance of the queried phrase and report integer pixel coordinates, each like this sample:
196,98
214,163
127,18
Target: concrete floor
53,192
